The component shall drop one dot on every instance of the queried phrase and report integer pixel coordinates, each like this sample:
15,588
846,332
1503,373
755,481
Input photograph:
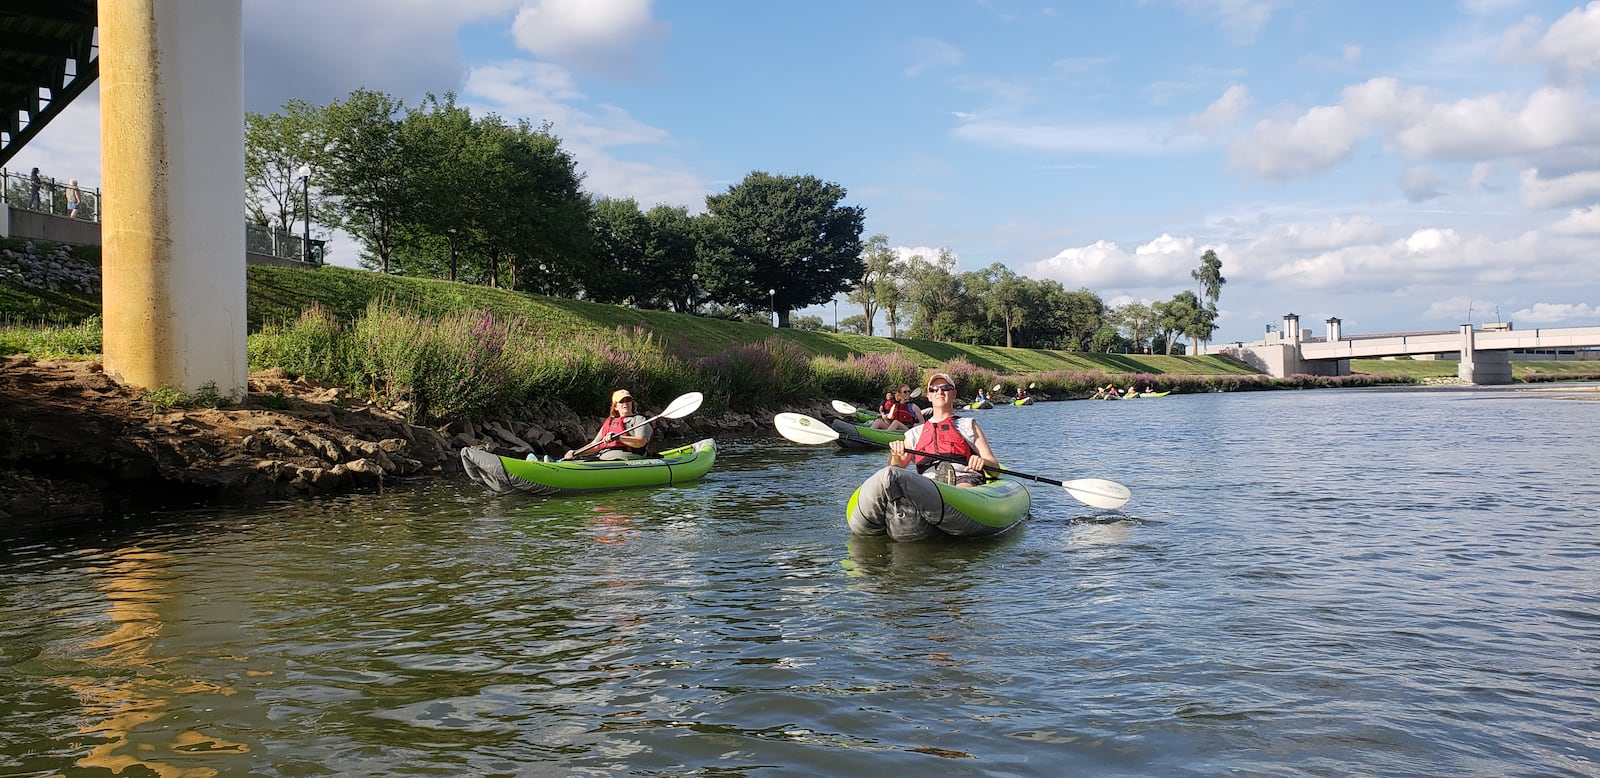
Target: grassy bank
444,350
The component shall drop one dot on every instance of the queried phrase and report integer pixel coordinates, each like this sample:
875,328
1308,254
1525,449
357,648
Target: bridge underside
48,56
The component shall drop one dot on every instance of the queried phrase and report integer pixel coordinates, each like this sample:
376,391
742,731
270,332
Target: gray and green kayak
504,475
862,436
898,502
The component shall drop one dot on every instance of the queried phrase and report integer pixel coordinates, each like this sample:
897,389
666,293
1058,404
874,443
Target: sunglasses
941,388
628,400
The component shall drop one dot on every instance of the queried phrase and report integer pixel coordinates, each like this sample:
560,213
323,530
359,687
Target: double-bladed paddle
677,409
1094,492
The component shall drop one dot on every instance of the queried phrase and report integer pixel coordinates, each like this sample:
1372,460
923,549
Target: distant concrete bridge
1484,354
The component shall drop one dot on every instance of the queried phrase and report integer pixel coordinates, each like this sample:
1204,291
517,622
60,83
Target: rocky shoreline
77,444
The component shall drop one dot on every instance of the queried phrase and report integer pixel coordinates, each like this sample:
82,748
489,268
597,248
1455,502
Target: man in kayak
898,411
615,440
945,433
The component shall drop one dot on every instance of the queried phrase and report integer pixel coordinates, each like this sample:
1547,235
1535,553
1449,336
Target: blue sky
1391,164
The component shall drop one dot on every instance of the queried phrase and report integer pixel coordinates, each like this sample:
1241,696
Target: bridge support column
172,143
1482,367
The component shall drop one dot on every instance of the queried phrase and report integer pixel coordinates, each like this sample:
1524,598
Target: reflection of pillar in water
124,689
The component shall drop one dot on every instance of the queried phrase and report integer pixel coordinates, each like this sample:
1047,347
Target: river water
1325,582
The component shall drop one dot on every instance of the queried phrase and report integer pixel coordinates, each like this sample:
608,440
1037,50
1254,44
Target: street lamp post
451,239
544,279
772,304
836,315
694,285
305,191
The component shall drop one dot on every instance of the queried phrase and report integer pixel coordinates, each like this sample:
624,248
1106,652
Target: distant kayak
504,475
981,405
1023,401
862,436
1152,394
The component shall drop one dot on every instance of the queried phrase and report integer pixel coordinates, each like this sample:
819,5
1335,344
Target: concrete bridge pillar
172,142
1482,367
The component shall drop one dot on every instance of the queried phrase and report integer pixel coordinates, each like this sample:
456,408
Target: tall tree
881,264
932,290
1208,284
275,147
1009,300
621,238
784,241
1137,321
366,165
1177,317
669,268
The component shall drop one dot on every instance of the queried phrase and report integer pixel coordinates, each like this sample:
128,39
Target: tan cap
937,376
619,395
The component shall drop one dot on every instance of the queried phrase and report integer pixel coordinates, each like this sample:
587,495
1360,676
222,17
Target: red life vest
900,412
942,437
619,425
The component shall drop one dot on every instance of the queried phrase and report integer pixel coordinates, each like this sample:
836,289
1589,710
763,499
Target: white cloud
1242,20
1224,111
1557,313
1571,46
1352,53
600,34
930,53
1106,264
319,51
588,132
1541,192
1491,127
1420,184
1473,129
1127,137
1277,149
1581,221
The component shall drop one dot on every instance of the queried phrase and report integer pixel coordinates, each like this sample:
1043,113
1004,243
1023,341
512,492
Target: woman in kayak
945,433
898,411
616,440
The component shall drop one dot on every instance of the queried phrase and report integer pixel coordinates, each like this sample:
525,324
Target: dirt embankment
76,443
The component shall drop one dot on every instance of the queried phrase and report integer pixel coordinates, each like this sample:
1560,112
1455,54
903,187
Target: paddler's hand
897,453
977,463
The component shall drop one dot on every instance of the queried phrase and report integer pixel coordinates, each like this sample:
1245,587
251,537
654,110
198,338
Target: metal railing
48,194
278,242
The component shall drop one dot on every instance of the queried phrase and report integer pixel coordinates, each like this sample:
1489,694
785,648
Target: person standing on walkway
74,198
34,182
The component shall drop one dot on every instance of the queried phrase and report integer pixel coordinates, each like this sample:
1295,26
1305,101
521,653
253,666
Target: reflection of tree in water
125,690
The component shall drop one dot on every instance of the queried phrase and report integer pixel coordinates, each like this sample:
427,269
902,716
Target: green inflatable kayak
504,475
862,436
1023,401
898,502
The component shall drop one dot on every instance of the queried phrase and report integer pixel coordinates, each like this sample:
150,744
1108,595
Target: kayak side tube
897,502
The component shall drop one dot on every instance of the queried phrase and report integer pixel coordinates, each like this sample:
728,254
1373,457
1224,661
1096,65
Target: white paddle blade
801,428
844,408
916,392
1098,492
683,406
996,388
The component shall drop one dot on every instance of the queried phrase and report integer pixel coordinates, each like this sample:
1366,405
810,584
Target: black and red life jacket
619,425
941,437
899,411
